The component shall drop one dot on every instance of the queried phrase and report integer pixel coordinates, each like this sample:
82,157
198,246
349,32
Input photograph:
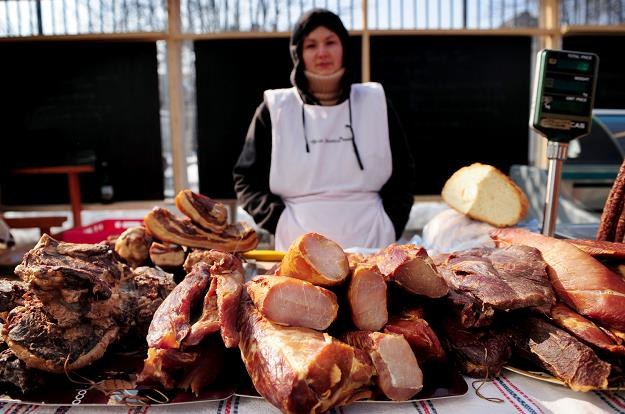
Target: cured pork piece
367,299
584,329
581,281
208,321
601,249
559,353
211,257
293,302
300,370
163,225
171,322
203,211
470,311
479,353
229,288
15,376
133,246
417,331
166,255
507,278
315,259
410,267
399,375
164,366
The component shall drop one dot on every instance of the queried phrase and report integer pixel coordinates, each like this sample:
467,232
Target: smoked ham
293,302
580,281
584,329
367,299
601,249
163,225
203,211
417,331
410,267
559,353
300,370
315,259
399,375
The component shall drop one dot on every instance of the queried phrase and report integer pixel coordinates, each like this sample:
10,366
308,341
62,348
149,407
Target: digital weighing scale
563,97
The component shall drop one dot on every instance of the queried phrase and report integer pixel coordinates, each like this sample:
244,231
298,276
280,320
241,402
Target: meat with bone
399,375
163,225
367,299
300,370
150,286
293,302
203,211
417,331
15,376
601,249
209,319
11,295
315,259
506,278
166,255
579,280
410,267
70,278
36,339
133,246
479,353
559,353
584,329
171,321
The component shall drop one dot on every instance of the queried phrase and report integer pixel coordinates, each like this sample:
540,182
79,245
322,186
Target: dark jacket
251,172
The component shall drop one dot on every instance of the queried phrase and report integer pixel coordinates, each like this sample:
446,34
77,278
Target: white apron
325,190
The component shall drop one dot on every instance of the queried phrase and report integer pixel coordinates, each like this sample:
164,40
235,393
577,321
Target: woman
326,155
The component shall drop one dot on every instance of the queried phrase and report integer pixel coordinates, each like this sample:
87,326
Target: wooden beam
176,96
366,45
122,37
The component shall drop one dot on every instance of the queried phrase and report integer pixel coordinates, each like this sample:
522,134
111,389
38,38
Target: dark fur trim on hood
308,22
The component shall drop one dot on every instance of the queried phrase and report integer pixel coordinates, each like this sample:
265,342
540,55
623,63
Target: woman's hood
308,22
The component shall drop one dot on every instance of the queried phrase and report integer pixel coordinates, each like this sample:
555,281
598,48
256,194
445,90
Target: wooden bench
42,223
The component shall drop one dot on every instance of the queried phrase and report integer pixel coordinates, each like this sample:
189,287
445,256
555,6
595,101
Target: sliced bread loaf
484,193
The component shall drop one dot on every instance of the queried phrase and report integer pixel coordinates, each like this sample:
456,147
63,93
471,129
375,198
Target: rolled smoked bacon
163,225
581,281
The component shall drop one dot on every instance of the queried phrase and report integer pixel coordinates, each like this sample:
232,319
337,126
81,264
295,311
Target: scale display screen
564,90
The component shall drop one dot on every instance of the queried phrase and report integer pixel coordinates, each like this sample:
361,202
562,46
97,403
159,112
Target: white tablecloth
516,393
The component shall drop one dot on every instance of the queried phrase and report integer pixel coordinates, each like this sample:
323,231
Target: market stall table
73,182
508,393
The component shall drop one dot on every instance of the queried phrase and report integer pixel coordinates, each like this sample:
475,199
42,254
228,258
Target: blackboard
460,99
231,77
80,102
611,80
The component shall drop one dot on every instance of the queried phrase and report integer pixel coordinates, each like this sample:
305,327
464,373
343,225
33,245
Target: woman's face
322,51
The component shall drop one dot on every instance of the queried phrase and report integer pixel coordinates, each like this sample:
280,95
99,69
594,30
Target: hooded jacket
251,172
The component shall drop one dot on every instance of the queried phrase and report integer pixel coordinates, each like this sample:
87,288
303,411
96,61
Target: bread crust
520,195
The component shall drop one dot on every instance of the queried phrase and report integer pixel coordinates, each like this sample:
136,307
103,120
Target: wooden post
176,96
366,55
549,18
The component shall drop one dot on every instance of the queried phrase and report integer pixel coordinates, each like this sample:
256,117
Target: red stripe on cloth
425,407
505,394
527,397
610,396
228,406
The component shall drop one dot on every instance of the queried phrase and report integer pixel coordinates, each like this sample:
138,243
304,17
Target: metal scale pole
556,154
